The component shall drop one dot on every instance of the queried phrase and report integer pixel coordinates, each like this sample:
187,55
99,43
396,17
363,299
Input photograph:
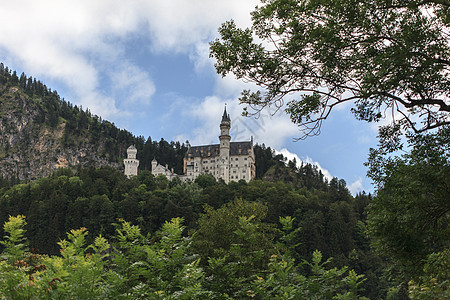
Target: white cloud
80,43
356,186
61,40
271,130
209,113
200,57
99,103
229,86
134,82
177,24
290,156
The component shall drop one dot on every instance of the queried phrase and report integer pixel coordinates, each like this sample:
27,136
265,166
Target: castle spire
225,117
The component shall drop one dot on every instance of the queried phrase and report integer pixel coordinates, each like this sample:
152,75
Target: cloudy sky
144,65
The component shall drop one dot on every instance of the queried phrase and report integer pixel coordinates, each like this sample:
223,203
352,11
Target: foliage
408,218
330,218
14,243
218,230
135,266
135,269
390,58
436,279
283,282
234,244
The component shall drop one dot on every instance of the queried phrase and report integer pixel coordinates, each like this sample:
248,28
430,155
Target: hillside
30,148
40,132
44,138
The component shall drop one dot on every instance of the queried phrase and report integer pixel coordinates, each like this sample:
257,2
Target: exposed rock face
30,149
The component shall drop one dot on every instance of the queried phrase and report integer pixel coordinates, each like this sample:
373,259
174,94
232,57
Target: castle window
245,158
234,171
243,176
237,158
206,161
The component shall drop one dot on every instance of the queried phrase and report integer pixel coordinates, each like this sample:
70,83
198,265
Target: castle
229,161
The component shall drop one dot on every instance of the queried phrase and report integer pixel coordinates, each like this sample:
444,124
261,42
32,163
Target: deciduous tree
387,57
408,219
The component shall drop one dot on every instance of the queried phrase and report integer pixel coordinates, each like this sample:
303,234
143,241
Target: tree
216,228
205,180
388,57
408,219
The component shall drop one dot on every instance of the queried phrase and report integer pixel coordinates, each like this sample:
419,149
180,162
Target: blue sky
144,65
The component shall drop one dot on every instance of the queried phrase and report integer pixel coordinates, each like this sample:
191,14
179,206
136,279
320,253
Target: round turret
131,152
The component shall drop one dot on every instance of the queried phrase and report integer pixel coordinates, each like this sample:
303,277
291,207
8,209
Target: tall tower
224,146
154,165
131,163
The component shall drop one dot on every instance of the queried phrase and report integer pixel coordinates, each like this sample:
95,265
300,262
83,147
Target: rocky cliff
32,147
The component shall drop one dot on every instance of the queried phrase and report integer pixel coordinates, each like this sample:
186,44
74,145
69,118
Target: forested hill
40,132
44,139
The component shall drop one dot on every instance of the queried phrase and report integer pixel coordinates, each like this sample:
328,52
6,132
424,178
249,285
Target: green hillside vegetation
90,232
38,126
162,266
43,117
329,220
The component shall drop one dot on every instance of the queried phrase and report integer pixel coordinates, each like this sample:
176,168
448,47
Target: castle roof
240,148
236,148
225,117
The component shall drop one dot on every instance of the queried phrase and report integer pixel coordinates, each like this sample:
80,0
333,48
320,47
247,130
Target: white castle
229,161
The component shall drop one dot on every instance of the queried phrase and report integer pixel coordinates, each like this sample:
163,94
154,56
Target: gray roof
203,151
240,148
225,117
236,148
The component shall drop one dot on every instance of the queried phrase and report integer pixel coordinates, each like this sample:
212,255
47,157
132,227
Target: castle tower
131,163
154,165
224,146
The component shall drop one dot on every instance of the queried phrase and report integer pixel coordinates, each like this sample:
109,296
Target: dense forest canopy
325,217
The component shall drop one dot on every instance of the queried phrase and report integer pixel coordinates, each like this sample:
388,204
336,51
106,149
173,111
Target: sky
144,65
